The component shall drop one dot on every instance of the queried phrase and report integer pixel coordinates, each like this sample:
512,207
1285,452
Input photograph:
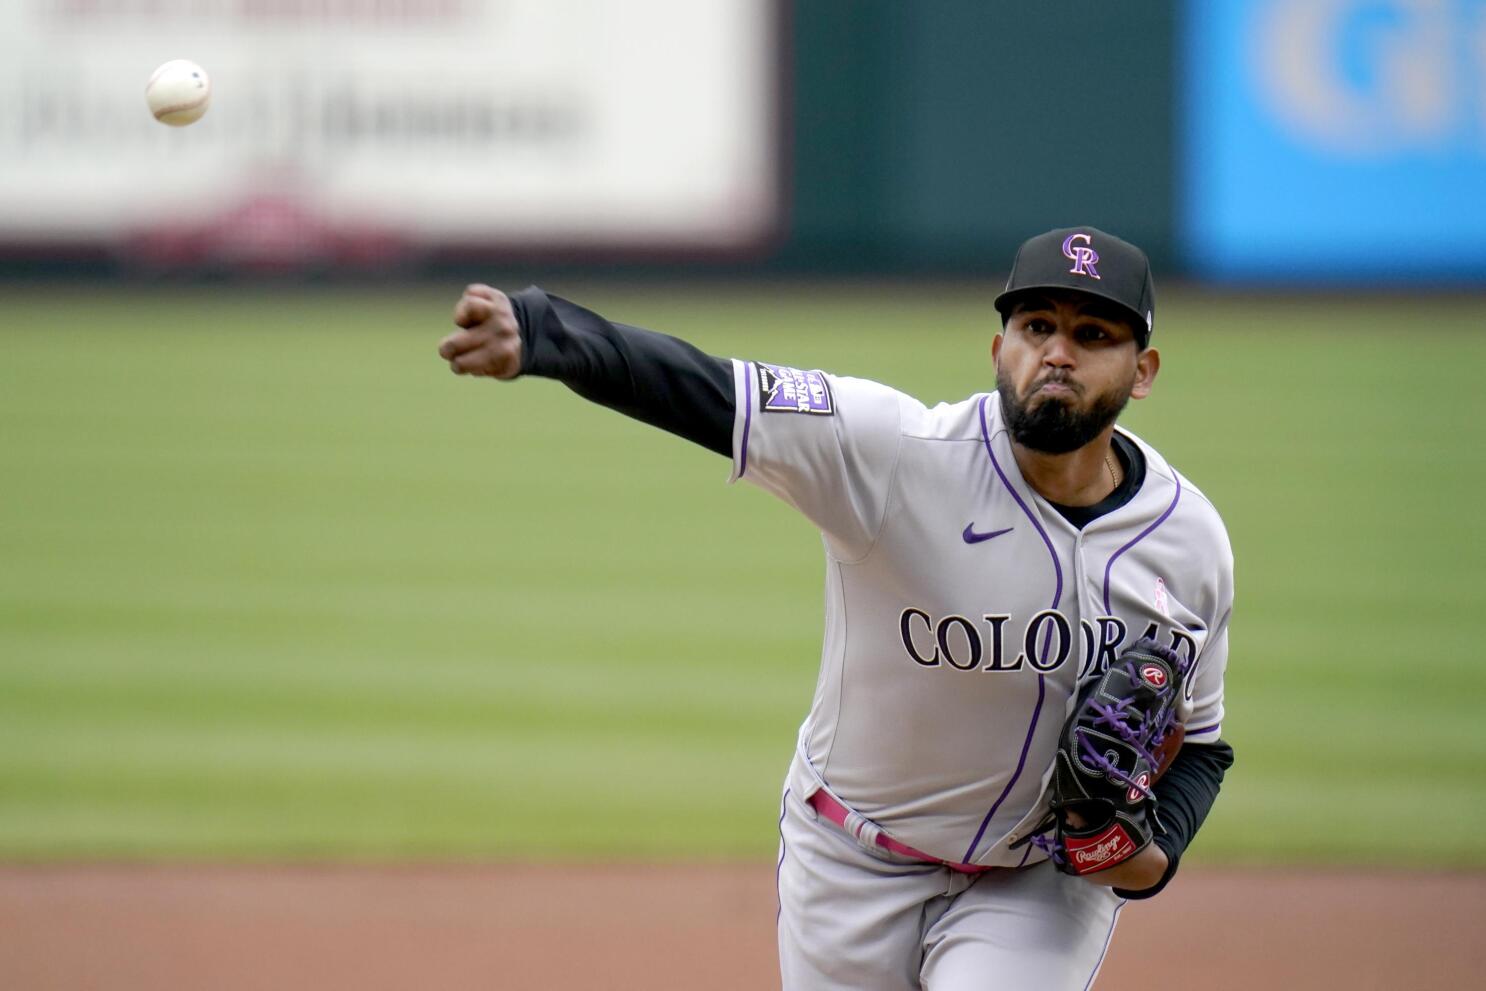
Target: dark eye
1092,334
1038,326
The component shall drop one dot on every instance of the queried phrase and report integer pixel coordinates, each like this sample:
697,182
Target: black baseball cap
1088,260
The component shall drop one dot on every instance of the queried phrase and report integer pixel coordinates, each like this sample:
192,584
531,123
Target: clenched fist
490,342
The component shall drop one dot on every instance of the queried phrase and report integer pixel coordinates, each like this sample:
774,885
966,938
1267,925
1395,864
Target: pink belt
837,813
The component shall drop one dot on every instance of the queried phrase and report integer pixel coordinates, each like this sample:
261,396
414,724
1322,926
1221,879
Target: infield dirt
634,927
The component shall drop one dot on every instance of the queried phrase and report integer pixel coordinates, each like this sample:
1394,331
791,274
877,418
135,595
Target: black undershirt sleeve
1184,796
659,380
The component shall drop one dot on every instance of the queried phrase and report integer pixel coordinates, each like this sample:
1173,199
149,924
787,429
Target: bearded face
1056,414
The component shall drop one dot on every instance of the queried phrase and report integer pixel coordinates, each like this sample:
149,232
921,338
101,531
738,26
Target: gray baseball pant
860,918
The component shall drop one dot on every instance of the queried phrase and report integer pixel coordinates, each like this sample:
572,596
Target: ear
1146,367
996,350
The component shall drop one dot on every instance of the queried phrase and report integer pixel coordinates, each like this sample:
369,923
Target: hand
490,342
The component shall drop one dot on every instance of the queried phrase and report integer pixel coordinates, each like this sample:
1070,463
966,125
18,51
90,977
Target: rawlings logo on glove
1086,856
1121,735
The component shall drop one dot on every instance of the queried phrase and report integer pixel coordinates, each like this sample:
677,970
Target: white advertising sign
347,128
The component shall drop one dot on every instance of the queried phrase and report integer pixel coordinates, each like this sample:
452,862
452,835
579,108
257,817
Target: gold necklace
1112,476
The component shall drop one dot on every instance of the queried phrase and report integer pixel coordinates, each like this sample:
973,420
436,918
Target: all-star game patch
791,390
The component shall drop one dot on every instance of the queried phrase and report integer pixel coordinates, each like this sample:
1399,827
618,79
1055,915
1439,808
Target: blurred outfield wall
1248,140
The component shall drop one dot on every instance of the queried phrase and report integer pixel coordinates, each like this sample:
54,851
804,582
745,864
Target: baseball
178,92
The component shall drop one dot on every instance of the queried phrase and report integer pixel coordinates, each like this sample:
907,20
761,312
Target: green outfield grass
274,584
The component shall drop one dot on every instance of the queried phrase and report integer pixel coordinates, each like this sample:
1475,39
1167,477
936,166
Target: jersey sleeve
1202,707
1205,722
827,445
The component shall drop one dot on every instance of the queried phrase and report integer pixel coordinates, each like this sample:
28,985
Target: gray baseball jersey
962,610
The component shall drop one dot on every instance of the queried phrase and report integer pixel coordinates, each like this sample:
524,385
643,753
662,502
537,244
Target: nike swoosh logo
971,537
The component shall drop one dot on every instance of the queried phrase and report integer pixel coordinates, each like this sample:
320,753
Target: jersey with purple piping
949,661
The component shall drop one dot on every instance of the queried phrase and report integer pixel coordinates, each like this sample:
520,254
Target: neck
1078,478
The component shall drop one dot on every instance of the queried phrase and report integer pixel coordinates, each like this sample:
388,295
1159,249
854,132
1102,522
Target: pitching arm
651,377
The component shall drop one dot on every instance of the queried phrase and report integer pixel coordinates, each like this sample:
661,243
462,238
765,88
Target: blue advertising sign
1337,140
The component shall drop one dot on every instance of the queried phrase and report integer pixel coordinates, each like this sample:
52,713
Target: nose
1058,351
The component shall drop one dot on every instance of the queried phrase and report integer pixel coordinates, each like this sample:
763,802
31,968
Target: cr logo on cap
1084,258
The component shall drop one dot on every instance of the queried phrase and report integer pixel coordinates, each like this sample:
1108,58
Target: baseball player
1017,593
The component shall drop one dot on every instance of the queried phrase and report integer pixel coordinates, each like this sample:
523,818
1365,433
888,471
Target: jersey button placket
1086,604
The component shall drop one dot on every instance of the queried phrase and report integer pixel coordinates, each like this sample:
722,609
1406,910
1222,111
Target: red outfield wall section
655,928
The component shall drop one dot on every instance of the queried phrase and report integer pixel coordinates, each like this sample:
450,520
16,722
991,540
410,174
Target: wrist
1142,871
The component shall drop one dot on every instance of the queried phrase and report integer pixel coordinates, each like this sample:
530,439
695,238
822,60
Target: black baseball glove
1119,738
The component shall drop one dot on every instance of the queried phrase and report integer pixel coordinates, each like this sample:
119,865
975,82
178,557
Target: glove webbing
1116,716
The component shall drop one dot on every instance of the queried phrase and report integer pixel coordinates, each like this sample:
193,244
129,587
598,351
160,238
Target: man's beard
1054,426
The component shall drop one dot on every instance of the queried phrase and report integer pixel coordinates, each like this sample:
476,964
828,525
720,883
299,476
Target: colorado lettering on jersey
1044,644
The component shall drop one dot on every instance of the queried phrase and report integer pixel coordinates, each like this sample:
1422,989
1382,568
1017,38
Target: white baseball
178,92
